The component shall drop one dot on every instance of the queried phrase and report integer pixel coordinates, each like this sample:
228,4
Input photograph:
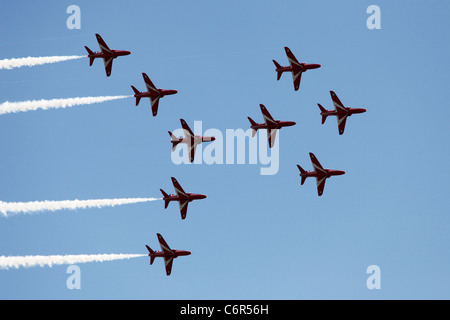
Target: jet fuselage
279,124
329,173
303,67
175,254
195,140
350,111
114,54
190,197
162,93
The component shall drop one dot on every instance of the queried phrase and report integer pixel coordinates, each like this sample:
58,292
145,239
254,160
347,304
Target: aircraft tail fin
150,249
91,59
152,258
279,73
174,141
302,171
136,92
322,109
253,123
303,180
166,202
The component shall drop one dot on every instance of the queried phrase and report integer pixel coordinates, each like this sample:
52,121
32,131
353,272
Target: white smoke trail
34,61
13,107
12,208
42,261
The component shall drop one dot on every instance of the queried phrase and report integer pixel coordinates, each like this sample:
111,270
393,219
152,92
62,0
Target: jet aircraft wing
103,46
164,246
267,116
341,111
297,74
297,77
316,164
271,134
108,65
192,147
337,103
154,101
178,189
320,184
341,119
187,131
292,59
183,208
155,93
192,144
150,86
168,260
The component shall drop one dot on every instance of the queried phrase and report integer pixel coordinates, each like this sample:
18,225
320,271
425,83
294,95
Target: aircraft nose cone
213,139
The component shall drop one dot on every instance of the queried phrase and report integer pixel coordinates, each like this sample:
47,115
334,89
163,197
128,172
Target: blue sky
254,237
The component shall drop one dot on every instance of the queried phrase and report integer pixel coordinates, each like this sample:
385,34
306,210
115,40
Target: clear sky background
254,237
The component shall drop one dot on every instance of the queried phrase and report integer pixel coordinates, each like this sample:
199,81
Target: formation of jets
192,141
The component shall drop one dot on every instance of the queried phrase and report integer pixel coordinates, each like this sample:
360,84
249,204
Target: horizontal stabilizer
174,141
253,123
138,97
149,249
91,58
152,258
279,73
165,195
322,110
302,171
136,91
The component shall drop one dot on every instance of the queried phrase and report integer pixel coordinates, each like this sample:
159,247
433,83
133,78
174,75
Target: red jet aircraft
295,67
106,53
340,112
190,139
270,124
181,196
319,173
167,253
153,93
